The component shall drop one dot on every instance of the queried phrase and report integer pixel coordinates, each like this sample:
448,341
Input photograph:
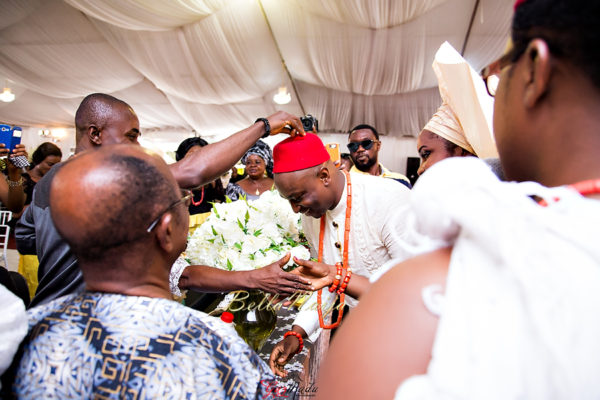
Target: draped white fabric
212,65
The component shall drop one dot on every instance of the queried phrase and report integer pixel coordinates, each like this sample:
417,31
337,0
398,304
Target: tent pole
464,46
285,68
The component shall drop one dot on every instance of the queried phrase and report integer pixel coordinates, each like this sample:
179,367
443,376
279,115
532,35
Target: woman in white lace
519,263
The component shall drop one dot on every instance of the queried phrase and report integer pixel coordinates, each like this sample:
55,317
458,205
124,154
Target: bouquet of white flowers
245,235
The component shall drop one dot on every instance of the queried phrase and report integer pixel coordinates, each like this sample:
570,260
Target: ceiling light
7,96
282,96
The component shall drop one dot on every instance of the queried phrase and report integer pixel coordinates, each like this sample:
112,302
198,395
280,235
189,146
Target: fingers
286,123
284,260
3,150
277,361
302,263
19,150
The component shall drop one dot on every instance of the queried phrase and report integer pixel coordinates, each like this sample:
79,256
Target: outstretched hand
283,122
321,275
273,279
282,353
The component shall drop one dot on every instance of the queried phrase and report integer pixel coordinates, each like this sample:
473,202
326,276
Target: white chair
5,216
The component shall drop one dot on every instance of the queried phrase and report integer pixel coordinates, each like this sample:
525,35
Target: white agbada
379,208
521,310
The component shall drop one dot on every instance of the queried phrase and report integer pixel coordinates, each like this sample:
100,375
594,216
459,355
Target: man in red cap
333,202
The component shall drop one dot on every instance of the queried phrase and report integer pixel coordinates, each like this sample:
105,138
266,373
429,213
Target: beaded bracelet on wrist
344,284
299,336
337,278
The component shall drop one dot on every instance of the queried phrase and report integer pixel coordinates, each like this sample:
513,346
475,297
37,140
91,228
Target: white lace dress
521,310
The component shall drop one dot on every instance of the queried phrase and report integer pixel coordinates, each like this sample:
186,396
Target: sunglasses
366,144
185,199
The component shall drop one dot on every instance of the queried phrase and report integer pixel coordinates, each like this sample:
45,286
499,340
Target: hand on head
283,122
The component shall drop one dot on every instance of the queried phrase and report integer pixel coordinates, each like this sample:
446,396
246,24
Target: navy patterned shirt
97,345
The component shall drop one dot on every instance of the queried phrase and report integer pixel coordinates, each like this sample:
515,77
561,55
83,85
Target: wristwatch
267,127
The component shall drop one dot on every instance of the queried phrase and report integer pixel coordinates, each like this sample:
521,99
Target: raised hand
283,122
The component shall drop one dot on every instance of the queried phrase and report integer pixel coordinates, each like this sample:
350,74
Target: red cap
300,152
227,317
518,3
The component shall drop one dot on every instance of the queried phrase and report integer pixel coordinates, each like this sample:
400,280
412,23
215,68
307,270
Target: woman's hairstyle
186,145
44,150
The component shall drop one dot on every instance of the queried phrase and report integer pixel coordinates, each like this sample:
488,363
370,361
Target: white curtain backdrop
212,66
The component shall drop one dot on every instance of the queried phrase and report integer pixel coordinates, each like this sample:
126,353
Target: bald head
102,202
104,119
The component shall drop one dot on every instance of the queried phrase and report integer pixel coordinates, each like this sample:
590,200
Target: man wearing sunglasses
364,145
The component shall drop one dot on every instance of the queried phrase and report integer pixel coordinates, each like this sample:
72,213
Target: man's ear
538,68
324,175
95,135
164,233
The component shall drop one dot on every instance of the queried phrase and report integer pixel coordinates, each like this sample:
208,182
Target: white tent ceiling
213,66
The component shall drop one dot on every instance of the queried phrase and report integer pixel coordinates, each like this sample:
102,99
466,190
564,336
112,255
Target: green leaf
211,240
214,232
238,246
246,217
229,265
258,232
227,200
222,239
251,256
279,226
216,212
240,224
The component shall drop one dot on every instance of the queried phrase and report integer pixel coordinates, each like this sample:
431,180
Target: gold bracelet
15,183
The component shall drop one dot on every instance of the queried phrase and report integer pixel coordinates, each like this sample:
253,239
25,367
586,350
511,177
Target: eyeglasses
186,199
366,144
491,73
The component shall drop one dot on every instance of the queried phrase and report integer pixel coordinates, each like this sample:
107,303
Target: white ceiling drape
212,65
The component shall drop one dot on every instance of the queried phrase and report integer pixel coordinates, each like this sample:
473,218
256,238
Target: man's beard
365,166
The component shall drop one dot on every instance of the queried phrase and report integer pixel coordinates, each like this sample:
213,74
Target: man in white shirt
305,175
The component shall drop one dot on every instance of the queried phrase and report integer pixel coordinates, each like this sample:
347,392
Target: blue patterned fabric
96,345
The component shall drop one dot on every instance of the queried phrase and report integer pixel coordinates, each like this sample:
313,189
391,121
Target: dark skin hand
271,279
322,275
12,197
284,351
211,161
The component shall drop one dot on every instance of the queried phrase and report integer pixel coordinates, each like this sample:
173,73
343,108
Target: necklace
255,183
585,188
344,255
197,203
